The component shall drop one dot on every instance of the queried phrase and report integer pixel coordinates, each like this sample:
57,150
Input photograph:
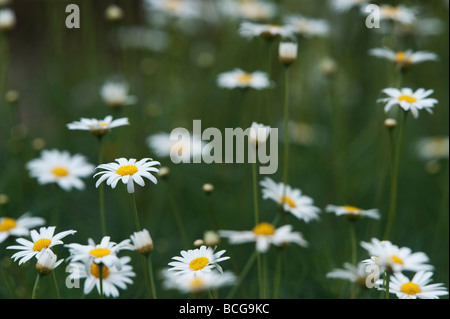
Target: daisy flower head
250,30
258,133
308,27
409,100
352,212
199,260
346,5
400,13
355,274
418,287
129,171
61,168
287,52
7,19
103,253
115,94
393,259
142,242
250,10
238,78
96,126
198,283
403,59
44,239
433,148
18,227
291,199
47,261
181,147
264,234
113,278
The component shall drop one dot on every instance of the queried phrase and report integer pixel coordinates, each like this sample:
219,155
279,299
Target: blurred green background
340,157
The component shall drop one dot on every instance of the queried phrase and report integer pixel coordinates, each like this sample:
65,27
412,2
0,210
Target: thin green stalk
387,285
100,278
152,279
244,272
255,191
58,295
260,275
353,241
136,218
277,278
286,128
36,286
146,275
394,178
5,280
101,191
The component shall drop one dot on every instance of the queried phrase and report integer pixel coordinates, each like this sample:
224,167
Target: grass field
340,152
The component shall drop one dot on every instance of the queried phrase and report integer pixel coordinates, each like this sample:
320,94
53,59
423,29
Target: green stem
101,191
136,218
255,191
394,178
36,286
56,285
152,280
277,278
260,276
387,285
146,275
353,241
286,128
244,272
100,278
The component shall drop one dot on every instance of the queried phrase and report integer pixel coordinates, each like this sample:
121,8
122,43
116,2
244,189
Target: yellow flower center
197,284
60,171
95,271
407,98
41,244
288,200
100,252
410,288
264,229
397,260
7,224
127,170
245,78
198,263
352,209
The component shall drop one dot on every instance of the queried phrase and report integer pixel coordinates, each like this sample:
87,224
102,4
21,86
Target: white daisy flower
287,52
39,241
433,148
103,253
416,288
7,19
184,9
393,259
400,13
195,261
115,94
112,277
403,59
250,10
18,227
238,78
258,133
308,27
142,242
98,127
185,148
346,5
355,274
409,100
61,168
291,199
47,261
128,171
353,212
250,30
200,282
264,234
